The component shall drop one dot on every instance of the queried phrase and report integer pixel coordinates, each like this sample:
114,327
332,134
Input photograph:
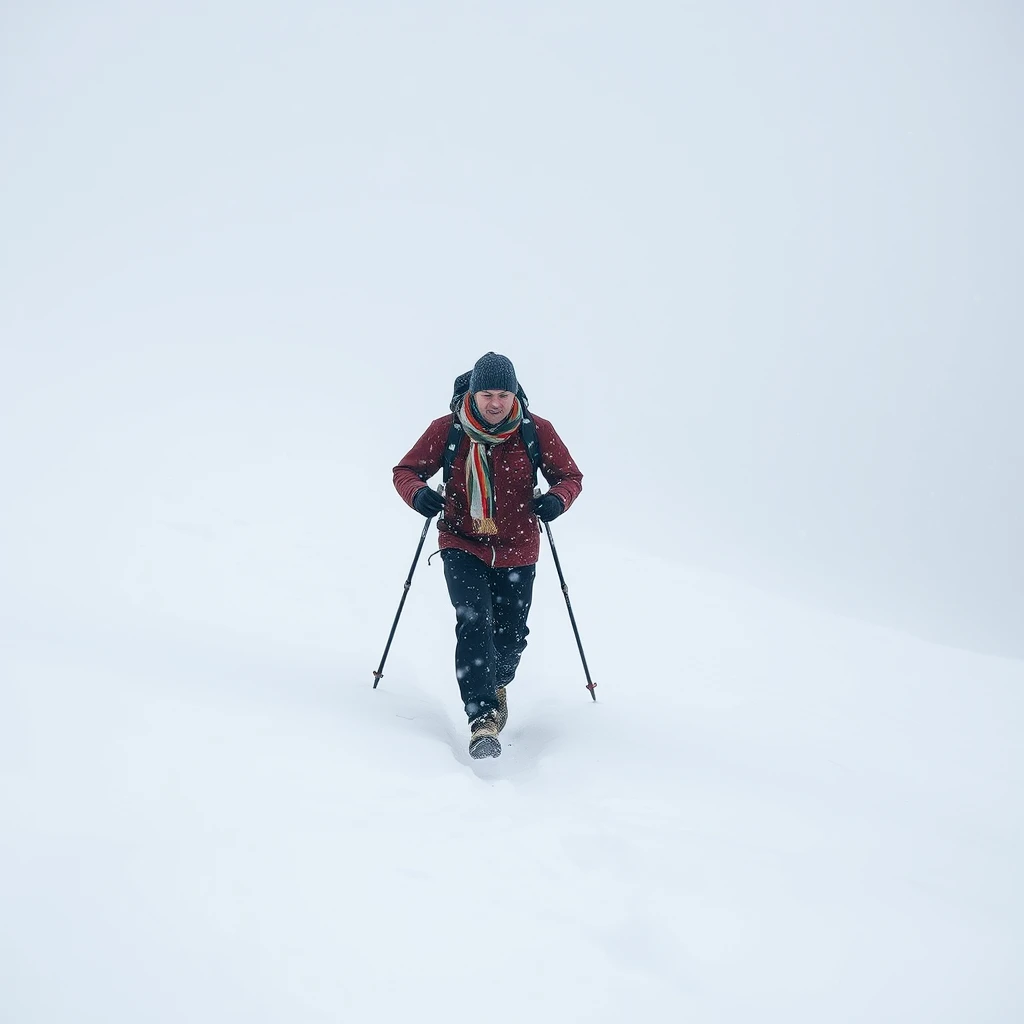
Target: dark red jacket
517,541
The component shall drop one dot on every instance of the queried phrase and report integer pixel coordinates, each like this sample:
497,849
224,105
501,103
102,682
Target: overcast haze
760,264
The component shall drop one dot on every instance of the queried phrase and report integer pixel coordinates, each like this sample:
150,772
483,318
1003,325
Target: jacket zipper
490,455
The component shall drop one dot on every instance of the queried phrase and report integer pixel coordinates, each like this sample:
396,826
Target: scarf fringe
486,526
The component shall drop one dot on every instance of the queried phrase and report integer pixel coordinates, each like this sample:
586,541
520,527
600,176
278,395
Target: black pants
491,608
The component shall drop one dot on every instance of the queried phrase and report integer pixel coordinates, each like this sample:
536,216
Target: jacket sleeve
557,465
423,460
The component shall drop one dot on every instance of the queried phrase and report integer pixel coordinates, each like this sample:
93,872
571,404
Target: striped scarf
479,474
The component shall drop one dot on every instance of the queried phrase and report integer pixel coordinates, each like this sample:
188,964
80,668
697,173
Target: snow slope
760,263
771,814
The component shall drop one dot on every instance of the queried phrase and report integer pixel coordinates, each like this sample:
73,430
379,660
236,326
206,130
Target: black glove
548,507
427,502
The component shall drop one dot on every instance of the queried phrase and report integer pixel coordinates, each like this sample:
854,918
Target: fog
759,263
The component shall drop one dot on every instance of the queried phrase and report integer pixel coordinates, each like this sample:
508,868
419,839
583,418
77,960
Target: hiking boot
483,741
501,715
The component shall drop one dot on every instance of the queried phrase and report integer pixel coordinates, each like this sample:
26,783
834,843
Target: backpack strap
527,431
451,447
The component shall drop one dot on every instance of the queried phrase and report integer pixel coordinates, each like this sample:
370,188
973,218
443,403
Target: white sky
759,263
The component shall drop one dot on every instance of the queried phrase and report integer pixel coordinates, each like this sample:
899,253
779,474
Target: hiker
489,531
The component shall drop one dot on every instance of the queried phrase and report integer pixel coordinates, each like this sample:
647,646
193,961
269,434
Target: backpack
527,429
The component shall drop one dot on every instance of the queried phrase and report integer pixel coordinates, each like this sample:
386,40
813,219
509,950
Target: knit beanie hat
493,373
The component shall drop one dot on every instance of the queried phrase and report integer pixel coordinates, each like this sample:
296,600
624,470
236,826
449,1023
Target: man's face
494,406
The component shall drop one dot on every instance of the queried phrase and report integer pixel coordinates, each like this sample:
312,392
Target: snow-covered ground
759,264
771,814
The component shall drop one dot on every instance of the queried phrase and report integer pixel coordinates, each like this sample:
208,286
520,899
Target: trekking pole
591,685
401,604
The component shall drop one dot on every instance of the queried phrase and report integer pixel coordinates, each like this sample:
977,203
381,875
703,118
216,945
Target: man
489,533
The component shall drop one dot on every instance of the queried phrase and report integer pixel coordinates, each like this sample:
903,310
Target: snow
780,814
759,266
